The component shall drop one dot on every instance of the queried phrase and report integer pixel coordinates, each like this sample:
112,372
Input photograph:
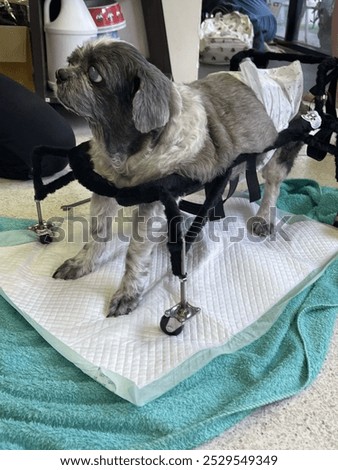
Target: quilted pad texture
240,282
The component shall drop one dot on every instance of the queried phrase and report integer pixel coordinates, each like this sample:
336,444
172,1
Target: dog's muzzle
62,75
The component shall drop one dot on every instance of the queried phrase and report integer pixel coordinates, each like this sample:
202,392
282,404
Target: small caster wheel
45,239
171,326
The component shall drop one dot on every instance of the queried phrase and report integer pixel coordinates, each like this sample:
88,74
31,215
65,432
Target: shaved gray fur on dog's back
237,120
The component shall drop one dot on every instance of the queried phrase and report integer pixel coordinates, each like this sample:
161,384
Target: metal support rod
183,280
67,207
43,229
174,318
39,211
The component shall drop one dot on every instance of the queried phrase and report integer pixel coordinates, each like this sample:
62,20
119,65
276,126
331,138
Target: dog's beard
75,96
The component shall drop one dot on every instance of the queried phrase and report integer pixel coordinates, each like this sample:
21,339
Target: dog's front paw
71,269
260,227
122,304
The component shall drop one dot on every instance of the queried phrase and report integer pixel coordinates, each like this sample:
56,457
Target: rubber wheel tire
163,325
45,239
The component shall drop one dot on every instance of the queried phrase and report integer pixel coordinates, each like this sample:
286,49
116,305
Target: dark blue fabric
26,121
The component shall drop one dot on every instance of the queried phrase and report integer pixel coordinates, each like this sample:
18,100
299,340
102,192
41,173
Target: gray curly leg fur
96,251
138,259
274,173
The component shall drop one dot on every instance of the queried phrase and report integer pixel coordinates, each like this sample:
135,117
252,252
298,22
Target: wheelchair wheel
171,326
45,239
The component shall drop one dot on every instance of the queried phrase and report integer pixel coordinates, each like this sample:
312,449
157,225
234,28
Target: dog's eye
94,75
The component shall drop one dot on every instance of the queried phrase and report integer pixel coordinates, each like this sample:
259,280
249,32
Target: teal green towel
47,403
301,196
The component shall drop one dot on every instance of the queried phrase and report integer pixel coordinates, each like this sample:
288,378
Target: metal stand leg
43,229
172,323
67,207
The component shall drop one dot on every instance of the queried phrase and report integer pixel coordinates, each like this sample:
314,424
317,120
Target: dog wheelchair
320,118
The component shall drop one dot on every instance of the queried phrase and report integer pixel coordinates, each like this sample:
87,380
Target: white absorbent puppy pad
241,283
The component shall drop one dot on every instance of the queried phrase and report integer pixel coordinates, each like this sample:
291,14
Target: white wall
134,32
182,21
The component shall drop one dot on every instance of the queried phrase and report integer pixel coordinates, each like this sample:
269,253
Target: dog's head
110,83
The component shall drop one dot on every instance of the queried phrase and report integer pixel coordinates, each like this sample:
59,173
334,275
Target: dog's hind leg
138,258
96,251
275,171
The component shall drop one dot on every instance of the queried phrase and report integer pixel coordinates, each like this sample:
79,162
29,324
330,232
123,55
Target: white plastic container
71,28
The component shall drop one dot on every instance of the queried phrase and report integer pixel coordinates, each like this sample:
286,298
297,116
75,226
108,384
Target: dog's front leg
138,257
96,251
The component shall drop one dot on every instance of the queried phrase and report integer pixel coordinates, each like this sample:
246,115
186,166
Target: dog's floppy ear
151,101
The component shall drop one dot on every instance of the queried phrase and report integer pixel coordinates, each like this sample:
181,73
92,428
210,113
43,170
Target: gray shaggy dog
145,127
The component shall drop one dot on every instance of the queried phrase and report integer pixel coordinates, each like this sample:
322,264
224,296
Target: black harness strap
212,208
42,190
166,190
214,190
174,224
216,212
252,179
327,74
83,171
252,183
261,59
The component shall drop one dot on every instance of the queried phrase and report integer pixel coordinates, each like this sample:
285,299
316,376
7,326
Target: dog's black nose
62,75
